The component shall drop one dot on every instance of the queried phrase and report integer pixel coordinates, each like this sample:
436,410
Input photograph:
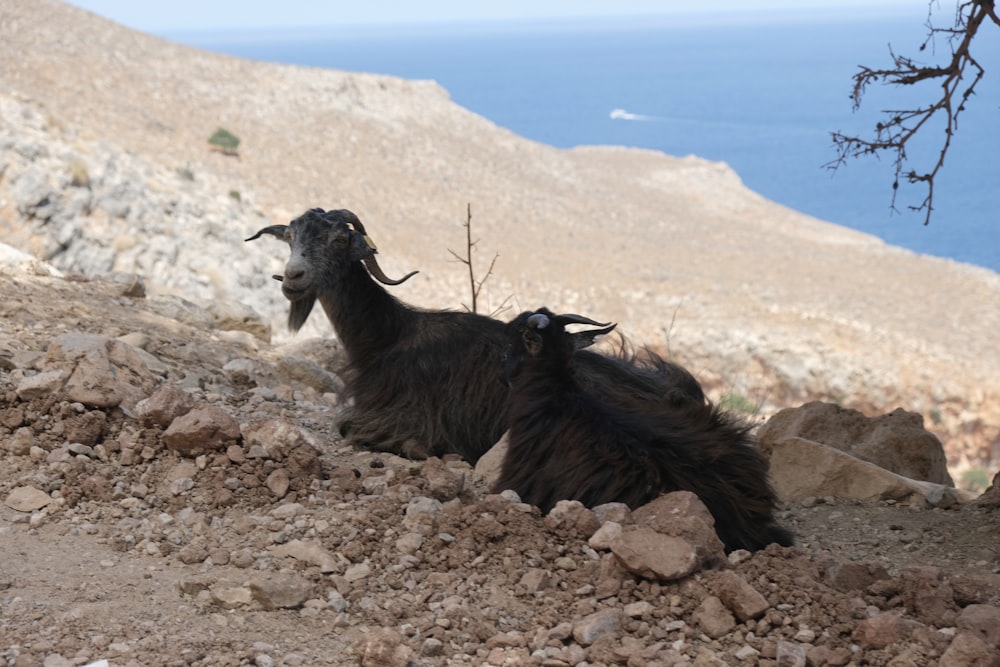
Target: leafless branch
476,286
900,126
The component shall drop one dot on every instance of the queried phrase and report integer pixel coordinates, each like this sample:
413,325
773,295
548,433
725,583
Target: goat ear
361,247
281,231
532,341
583,339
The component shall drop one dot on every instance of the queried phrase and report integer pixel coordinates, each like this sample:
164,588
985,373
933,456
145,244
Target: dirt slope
144,557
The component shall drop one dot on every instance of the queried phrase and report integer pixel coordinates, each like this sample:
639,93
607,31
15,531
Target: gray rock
241,372
278,482
653,555
230,315
383,647
884,629
40,384
714,619
182,310
422,515
534,580
27,499
896,441
164,406
124,283
280,591
443,483
35,195
310,552
969,649
102,372
790,654
487,470
682,514
591,628
279,439
207,428
742,598
983,619
804,469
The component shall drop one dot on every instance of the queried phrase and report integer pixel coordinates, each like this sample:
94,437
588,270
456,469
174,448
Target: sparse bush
185,173
976,479
935,416
224,141
235,195
733,402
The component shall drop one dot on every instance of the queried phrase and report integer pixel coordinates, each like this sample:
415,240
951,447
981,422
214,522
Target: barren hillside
173,488
759,300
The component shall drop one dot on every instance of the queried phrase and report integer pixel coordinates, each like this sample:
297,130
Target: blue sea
759,91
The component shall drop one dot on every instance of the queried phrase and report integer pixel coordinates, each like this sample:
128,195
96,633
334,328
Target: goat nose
294,272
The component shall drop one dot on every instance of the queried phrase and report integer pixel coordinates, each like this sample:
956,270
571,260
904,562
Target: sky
182,15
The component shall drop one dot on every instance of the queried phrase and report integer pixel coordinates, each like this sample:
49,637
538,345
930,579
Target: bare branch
893,135
476,286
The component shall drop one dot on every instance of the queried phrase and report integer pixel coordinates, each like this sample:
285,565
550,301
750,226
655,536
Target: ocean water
759,91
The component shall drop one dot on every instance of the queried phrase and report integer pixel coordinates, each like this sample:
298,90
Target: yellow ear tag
371,244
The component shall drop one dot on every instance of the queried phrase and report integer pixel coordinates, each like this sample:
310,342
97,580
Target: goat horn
356,223
579,319
273,230
376,270
538,321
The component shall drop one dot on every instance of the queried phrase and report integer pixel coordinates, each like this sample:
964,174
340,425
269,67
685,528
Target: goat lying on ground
424,382
565,443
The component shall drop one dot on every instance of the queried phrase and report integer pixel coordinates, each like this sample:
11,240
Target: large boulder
802,469
897,441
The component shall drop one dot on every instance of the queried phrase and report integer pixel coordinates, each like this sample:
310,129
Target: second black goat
567,443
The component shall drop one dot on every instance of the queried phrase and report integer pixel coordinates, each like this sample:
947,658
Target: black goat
424,382
568,443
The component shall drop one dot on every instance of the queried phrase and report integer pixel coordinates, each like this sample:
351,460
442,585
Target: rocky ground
250,536
173,493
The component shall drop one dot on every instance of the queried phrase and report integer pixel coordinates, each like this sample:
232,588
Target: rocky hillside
104,166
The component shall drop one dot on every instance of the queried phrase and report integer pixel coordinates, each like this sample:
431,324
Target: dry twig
476,286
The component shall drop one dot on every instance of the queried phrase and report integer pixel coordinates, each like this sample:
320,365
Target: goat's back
437,389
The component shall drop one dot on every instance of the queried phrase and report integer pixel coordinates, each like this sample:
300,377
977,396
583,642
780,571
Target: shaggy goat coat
565,443
421,382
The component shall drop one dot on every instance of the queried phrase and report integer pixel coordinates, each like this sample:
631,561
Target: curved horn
274,230
356,223
372,264
538,321
579,319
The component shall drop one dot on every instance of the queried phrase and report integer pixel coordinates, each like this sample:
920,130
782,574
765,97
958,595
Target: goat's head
542,334
324,246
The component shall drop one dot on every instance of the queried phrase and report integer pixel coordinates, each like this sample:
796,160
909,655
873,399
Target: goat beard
299,311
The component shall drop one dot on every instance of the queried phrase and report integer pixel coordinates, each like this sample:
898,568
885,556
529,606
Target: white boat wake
621,114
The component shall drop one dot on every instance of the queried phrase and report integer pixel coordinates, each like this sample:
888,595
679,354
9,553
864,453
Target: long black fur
426,382
422,382
567,442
